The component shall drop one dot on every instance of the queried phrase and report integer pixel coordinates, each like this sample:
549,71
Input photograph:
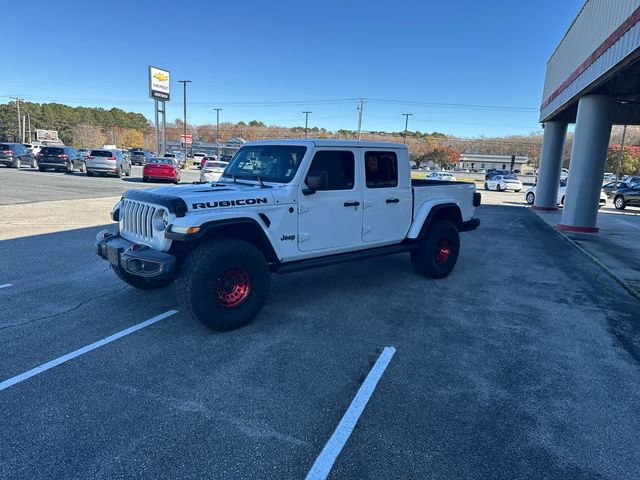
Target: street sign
46,135
159,87
188,138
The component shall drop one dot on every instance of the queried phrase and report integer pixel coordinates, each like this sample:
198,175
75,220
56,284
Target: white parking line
628,223
323,464
81,351
6,285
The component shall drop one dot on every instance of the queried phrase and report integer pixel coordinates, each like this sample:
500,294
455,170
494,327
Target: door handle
393,200
351,204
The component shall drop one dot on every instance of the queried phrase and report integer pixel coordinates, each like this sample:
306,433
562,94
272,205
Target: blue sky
246,56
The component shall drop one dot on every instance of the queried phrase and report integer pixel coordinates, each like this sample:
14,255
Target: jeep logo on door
229,203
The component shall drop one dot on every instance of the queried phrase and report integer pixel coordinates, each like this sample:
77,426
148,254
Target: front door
330,217
386,213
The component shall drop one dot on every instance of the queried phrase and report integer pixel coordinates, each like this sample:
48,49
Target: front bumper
133,258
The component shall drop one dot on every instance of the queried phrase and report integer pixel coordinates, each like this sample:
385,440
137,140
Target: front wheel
34,163
619,203
71,168
17,163
530,198
439,250
486,186
141,282
224,283
498,188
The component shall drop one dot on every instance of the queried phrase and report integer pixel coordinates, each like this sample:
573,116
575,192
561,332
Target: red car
161,169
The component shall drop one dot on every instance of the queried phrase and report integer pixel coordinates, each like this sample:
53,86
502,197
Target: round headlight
161,220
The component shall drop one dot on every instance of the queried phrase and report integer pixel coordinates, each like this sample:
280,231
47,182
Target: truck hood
207,196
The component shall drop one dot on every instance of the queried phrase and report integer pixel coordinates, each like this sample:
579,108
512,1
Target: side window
381,169
332,170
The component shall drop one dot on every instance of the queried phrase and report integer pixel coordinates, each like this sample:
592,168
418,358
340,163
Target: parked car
34,147
211,170
501,183
16,155
609,176
530,195
221,243
480,170
199,159
140,157
627,197
60,159
161,169
493,172
465,170
177,156
443,176
84,152
107,162
611,187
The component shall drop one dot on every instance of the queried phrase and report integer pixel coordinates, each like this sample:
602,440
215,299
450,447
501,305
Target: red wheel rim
232,287
443,250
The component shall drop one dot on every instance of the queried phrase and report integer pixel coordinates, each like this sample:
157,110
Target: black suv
140,157
60,159
627,197
16,155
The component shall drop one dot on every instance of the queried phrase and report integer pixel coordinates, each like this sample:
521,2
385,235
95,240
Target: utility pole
217,133
17,99
29,120
360,110
184,126
624,134
24,127
406,125
306,123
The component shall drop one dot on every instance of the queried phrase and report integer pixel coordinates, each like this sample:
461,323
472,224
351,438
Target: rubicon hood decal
229,203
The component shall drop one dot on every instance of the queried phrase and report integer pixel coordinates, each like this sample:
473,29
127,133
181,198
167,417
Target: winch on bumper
133,258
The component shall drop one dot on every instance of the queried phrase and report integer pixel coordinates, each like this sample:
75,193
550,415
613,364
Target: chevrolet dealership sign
158,83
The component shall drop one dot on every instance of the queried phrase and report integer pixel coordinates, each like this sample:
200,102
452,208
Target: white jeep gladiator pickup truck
284,206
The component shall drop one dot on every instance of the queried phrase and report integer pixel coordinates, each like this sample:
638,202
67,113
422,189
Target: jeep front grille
137,220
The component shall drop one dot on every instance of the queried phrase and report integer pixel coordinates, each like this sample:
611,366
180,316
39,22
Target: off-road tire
426,259
141,282
205,268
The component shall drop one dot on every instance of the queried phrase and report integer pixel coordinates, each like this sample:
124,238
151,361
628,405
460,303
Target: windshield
160,161
272,163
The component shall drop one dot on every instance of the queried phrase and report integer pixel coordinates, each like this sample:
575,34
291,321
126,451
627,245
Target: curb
632,291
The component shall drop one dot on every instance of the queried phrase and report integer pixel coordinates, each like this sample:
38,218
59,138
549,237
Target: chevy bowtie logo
161,77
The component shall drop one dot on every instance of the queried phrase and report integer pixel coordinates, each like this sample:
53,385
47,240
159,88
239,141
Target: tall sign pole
160,91
619,166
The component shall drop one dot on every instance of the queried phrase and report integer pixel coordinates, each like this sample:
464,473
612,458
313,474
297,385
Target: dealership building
477,161
592,81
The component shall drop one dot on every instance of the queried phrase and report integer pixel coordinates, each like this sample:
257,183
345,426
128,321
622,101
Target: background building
477,161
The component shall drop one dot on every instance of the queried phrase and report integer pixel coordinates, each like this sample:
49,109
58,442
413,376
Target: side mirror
315,181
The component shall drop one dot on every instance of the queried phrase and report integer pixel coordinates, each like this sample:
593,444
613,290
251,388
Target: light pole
184,126
217,133
619,166
306,123
406,125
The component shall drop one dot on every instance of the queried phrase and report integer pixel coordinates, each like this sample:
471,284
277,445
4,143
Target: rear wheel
486,186
498,188
141,282
17,163
619,203
71,168
119,172
530,198
439,250
34,163
129,171
82,167
224,283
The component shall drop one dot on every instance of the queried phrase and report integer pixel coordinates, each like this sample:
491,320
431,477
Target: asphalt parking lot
524,363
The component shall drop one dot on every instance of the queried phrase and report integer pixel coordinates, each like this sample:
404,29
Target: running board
299,265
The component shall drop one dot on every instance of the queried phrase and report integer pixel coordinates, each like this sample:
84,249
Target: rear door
331,218
386,208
